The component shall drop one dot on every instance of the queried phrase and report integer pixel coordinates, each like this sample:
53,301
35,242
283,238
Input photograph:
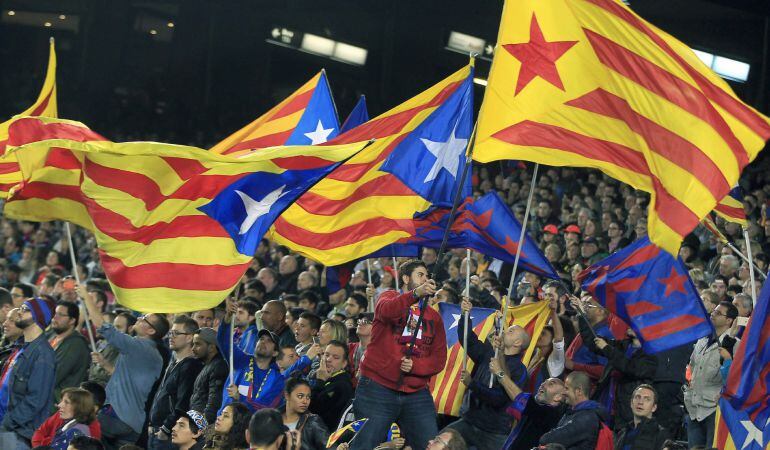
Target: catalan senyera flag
589,83
176,226
369,201
306,117
730,207
709,224
45,105
743,413
446,387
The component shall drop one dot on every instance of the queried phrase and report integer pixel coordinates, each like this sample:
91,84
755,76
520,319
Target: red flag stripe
731,211
345,236
672,211
670,326
10,167
43,105
185,168
269,140
296,104
62,158
733,106
448,380
5,187
154,275
25,131
667,86
638,257
387,185
660,140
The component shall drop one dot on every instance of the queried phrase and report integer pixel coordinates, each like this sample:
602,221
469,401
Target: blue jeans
700,433
474,436
115,432
12,441
415,414
154,443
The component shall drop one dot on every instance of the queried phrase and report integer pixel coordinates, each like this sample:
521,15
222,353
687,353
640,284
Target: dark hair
189,324
130,318
72,310
256,285
560,290
649,388
87,443
732,311
342,345
101,296
580,380
236,437
265,426
456,442
295,313
407,267
160,325
26,289
51,279
5,297
308,295
315,321
361,299
294,382
250,307
454,297
97,392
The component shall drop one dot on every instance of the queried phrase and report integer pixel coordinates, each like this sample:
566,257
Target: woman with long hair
76,409
229,430
313,433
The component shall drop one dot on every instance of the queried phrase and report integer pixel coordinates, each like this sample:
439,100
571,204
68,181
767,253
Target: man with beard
30,385
408,347
257,380
72,353
207,390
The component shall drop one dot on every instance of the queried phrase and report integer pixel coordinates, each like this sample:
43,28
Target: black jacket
207,389
314,433
172,398
578,428
330,398
487,410
626,366
649,436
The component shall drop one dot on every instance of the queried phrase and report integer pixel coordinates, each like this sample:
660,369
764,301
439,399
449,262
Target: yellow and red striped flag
446,387
45,105
361,207
176,226
308,116
589,83
731,209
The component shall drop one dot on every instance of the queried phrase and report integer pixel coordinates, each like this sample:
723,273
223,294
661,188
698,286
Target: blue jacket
258,388
578,428
31,388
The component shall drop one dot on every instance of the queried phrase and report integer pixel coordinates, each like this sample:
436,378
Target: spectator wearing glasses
72,353
173,394
138,366
30,385
21,292
356,349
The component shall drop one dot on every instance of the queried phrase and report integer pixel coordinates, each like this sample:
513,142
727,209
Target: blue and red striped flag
652,292
744,408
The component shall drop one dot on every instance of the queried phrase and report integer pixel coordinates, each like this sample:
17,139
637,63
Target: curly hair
236,437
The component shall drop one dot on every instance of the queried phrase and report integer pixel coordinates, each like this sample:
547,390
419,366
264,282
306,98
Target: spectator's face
417,277
66,408
551,392
440,442
363,327
204,318
61,321
643,403
719,287
288,357
17,296
441,296
572,395
200,348
266,278
454,271
613,230
303,331
588,250
545,340
325,334
224,421
182,434
10,330
271,316
265,348
719,317
429,255
298,400
572,237
242,317
335,359
305,281
288,265
742,311
179,339
304,303
352,308
543,210
121,324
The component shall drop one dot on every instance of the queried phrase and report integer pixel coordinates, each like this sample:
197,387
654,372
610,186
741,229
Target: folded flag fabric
652,292
357,116
176,226
306,117
743,420
45,105
731,207
589,83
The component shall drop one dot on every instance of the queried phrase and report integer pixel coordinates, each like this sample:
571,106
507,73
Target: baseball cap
273,337
551,229
572,229
208,335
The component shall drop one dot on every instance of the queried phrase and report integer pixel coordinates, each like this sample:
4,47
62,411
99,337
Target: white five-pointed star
320,135
256,209
456,320
753,434
447,155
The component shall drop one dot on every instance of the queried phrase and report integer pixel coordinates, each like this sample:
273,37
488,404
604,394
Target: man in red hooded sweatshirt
394,376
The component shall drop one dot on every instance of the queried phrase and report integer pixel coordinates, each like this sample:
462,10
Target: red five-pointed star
538,57
674,282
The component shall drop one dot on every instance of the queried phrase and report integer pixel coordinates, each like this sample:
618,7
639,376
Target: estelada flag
446,387
176,226
45,105
589,83
306,117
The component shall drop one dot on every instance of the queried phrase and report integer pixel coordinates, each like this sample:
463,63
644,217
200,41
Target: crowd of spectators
307,361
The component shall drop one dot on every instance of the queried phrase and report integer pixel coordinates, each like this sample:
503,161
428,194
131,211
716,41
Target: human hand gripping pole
421,292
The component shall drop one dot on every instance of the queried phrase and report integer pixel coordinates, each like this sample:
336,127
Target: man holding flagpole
396,368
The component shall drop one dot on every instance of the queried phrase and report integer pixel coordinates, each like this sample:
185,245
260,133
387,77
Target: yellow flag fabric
589,83
45,105
161,245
